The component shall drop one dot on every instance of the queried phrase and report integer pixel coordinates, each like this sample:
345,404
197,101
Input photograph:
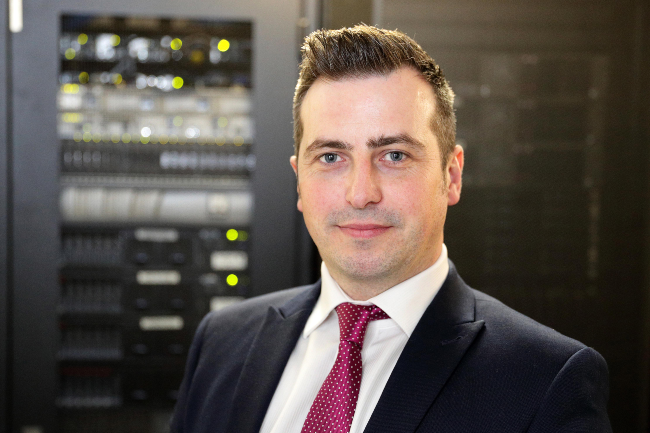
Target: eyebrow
392,139
373,143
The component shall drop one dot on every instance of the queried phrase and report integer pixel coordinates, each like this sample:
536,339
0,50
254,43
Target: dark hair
362,51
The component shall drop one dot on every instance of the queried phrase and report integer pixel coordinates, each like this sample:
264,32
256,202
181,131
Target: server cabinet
151,184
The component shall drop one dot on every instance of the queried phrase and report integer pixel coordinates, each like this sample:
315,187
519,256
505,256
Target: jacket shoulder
512,327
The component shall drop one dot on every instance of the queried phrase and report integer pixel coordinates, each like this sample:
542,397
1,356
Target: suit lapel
435,348
267,358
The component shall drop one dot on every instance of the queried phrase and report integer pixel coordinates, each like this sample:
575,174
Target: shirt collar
405,303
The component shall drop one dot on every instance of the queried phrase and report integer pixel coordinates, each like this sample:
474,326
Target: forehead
400,102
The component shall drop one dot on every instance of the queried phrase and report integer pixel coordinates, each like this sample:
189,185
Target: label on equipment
156,235
161,323
219,302
229,260
168,278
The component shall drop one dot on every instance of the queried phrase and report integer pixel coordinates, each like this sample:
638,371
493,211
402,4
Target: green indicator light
232,234
82,39
176,44
232,280
177,82
70,53
115,40
223,45
243,236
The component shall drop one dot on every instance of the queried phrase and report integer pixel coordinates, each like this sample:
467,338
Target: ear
455,173
294,164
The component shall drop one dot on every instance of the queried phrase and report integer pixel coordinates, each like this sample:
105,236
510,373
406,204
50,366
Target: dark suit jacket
471,365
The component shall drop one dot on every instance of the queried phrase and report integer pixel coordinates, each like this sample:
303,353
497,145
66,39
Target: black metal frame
35,173
4,220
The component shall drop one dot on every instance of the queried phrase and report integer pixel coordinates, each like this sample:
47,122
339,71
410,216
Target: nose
363,187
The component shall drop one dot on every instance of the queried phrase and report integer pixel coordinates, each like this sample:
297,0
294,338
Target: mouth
363,230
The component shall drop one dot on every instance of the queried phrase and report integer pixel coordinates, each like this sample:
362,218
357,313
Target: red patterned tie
334,406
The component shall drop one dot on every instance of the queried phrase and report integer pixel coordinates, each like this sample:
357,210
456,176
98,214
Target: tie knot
354,319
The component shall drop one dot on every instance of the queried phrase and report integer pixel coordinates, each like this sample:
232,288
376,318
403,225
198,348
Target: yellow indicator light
177,82
232,234
115,138
87,136
87,127
115,40
173,139
176,44
72,117
78,136
82,39
220,141
164,139
144,140
117,78
239,140
70,88
243,236
84,77
223,45
126,137
232,280
70,53
178,121
222,122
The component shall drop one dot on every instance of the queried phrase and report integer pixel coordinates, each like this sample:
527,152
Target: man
391,339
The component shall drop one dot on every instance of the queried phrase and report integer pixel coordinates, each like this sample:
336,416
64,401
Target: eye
330,158
395,156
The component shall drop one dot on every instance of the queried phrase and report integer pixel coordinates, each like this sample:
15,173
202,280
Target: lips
363,230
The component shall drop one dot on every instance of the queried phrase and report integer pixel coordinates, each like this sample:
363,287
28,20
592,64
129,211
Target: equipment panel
156,133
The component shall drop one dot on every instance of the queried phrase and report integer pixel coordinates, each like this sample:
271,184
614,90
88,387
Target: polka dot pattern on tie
334,406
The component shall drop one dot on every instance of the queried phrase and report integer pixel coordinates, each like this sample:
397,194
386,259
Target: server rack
144,196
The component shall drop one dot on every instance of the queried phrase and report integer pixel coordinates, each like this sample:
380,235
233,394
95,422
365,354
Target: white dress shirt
316,349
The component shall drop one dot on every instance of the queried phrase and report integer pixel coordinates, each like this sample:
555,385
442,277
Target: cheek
417,201
316,200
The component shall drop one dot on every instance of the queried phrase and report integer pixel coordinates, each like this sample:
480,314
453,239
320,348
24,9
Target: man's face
370,183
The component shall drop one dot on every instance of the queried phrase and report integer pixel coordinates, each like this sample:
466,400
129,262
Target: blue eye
395,156
329,158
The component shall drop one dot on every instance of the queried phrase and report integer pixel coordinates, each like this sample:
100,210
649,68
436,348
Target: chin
365,267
